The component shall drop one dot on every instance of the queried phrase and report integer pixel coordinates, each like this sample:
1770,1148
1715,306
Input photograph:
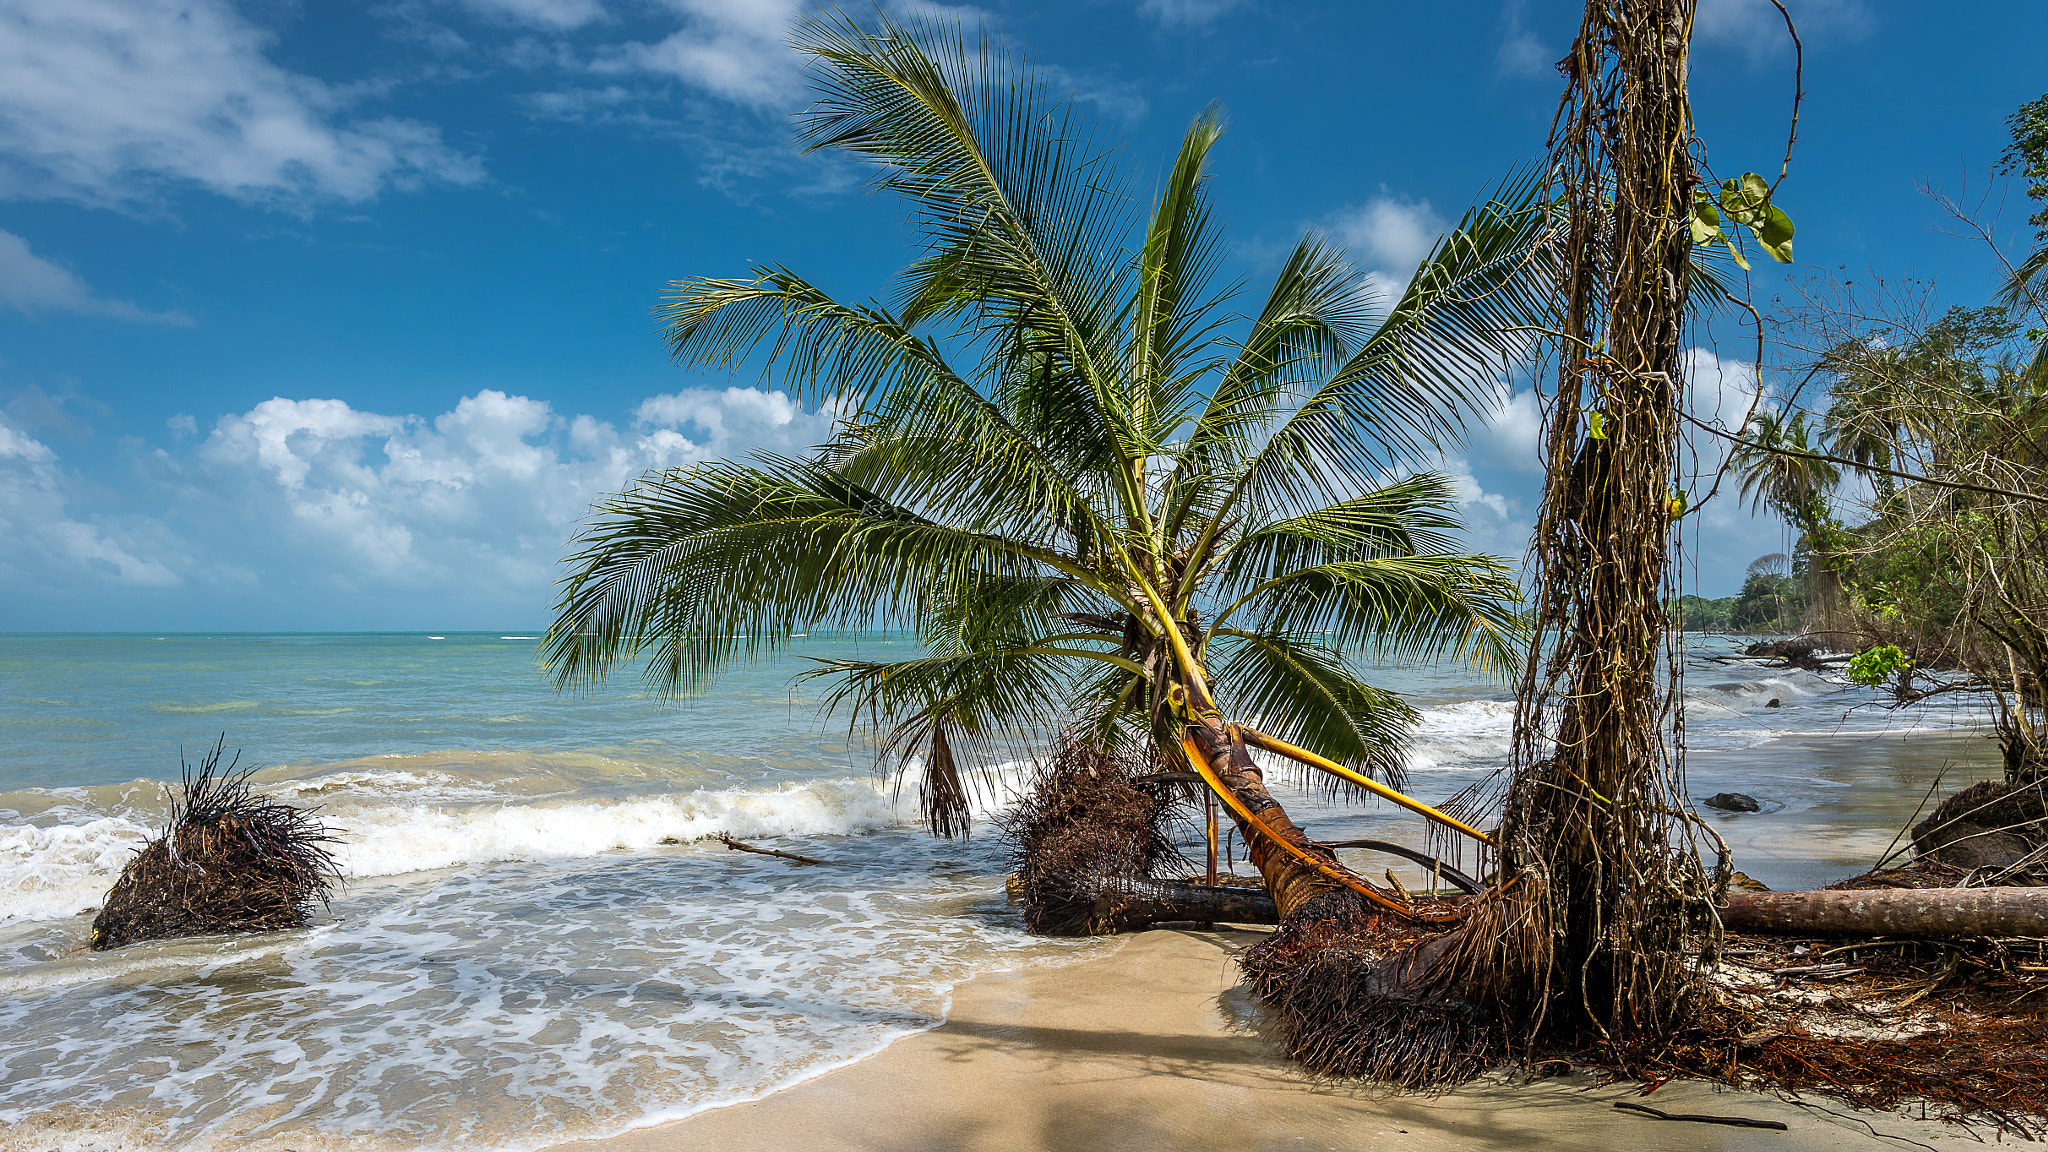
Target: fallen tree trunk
1137,903
1126,905
1893,911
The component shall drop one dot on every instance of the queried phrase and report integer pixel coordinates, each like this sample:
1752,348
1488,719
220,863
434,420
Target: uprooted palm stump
229,861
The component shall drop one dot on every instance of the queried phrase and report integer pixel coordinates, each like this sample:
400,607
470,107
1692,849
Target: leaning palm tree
1109,509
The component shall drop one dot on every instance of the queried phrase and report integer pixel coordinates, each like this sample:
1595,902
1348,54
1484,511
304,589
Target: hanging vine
1590,936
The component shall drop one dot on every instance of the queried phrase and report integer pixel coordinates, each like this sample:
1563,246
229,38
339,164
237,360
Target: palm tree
1106,506
1780,467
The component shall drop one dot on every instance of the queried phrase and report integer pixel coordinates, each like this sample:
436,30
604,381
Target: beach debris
1955,1028
743,846
1732,802
1798,652
1927,912
1747,883
1086,840
228,861
1733,1121
1990,824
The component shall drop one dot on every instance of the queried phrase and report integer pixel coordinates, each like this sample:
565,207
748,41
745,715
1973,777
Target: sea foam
390,823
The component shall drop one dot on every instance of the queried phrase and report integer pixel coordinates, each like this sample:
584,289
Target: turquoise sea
535,943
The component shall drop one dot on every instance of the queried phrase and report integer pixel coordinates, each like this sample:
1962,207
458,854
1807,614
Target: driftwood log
1893,911
1133,904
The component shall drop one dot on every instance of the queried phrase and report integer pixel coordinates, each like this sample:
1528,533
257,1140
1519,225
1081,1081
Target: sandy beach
1156,1047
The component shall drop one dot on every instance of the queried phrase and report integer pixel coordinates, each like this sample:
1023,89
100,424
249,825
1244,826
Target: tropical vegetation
1104,502
1944,422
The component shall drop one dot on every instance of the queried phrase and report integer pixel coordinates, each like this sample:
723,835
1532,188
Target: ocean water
536,943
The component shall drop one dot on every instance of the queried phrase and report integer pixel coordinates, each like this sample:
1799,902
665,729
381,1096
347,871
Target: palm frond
1437,357
990,705
1021,211
1416,514
707,563
1396,607
1300,690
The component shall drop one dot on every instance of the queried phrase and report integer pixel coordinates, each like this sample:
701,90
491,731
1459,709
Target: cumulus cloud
1512,435
314,505
735,49
1186,13
29,283
1717,392
105,101
1389,236
1495,521
48,544
482,496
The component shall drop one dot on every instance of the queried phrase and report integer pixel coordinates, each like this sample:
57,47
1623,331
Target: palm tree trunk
1290,880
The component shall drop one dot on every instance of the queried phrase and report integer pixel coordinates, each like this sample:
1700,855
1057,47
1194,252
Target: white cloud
736,49
1524,56
1521,54
1390,236
29,283
1717,392
1493,522
1120,99
557,14
104,101
46,544
481,497
1187,13
1512,436
1757,27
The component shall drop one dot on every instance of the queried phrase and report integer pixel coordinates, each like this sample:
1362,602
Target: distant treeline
1768,602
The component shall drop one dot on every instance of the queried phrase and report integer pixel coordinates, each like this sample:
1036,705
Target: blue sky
334,316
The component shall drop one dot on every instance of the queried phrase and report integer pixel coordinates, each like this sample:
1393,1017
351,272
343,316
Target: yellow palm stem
1200,764
1282,747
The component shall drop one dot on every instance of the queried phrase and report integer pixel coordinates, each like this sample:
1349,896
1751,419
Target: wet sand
1155,1047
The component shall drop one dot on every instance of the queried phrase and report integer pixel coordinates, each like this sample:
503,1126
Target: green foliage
1767,603
1874,665
1745,200
2027,155
1780,468
1057,430
1700,614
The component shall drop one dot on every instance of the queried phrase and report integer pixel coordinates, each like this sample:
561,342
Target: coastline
1155,1046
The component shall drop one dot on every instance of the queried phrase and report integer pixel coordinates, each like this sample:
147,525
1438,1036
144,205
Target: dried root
1086,839
229,861
1352,995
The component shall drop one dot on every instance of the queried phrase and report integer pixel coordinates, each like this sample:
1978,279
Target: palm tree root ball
229,861
1087,839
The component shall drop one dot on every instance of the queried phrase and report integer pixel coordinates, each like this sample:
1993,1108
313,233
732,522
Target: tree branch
1860,467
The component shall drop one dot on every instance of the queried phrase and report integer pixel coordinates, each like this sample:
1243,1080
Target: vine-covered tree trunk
1587,939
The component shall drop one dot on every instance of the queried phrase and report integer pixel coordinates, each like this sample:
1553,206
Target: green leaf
1596,425
1776,234
1706,219
1736,253
1675,503
1872,666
